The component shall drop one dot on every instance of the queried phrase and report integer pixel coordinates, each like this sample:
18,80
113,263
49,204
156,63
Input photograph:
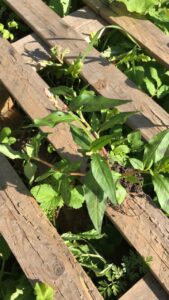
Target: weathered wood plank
147,229
105,78
36,244
146,288
30,91
154,41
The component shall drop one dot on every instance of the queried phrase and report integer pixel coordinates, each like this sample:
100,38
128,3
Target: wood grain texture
38,247
145,288
105,78
154,41
147,229
30,91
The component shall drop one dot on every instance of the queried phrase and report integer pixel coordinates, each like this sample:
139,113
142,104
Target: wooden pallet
143,225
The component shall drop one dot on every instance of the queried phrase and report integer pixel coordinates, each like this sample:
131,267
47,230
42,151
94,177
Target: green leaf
43,292
100,143
77,198
161,187
138,6
134,139
80,137
65,189
87,235
65,91
47,197
96,201
156,149
155,76
32,149
10,153
118,119
103,176
120,193
55,118
4,135
150,86
30,170
136,163
91,103
162,166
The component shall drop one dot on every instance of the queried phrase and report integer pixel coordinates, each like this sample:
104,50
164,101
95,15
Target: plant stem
49,165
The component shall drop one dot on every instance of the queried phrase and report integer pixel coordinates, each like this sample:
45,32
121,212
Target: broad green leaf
139,6
10,153
103,176
95,201
161,187
136,163
137,75
120,190
118,119
80,137
135,141
43,292
120,193
47,196
156,149
150,86
100,143
55,118
91,103
155,76
163,91
77,198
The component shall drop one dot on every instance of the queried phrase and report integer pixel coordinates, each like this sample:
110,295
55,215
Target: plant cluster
148,74
111,279
11,27
97,129
155,10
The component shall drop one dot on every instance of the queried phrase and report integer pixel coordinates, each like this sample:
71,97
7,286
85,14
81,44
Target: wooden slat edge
36,244
145,288
154,41
105,78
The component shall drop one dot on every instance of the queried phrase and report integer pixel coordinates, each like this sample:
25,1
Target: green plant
155,10
111,279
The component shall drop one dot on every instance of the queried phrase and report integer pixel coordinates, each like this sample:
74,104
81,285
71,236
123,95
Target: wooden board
38,247
147,229
145,288
105,78
154,41
31,93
